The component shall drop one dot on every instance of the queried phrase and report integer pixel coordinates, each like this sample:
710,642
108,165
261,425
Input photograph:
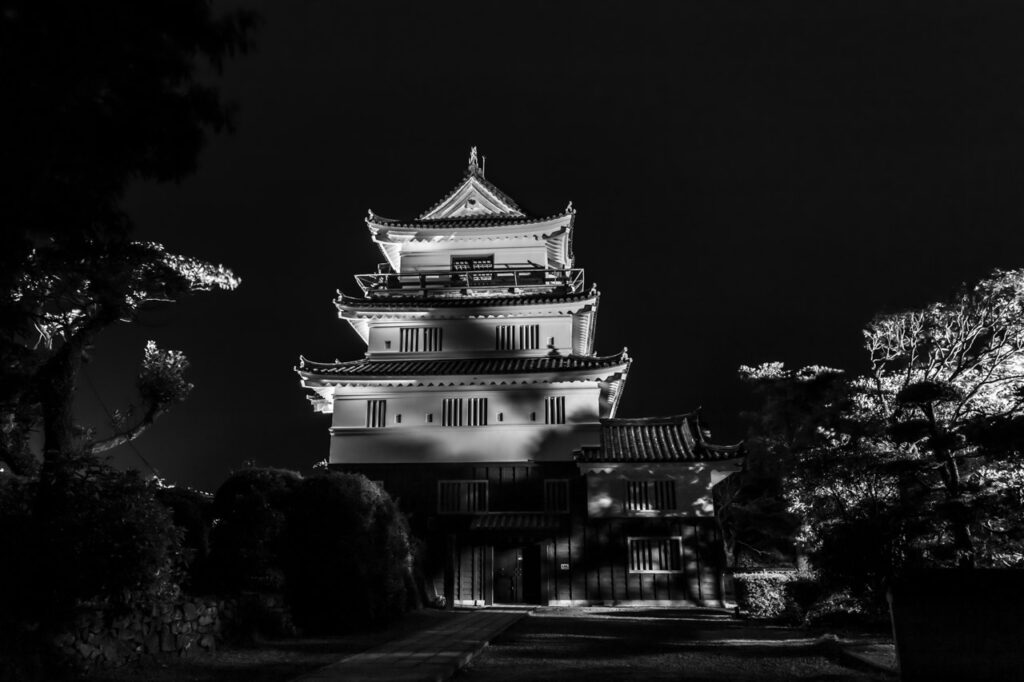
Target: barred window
461,497
556,496
476,412
517,337
419,339
376,413
651,496
451,412
655,555
432,339
554,410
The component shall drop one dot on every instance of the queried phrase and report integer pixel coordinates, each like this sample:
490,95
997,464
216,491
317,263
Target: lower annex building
481,406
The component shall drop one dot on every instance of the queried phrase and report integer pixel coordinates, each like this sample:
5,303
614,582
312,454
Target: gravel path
610,644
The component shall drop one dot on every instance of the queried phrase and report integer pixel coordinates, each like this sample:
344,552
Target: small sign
564,567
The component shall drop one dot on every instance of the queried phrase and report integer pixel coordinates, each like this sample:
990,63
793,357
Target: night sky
754,181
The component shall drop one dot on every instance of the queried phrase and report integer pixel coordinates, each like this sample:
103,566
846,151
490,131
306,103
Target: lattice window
554,410
655,555
432,339
517,337
451,412
376,413
556,496
467,264
651,496
461,497
409,340
476,412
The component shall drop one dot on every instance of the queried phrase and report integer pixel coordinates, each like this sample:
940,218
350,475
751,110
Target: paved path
432,654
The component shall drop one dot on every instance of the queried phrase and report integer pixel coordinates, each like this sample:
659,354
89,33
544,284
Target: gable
475,197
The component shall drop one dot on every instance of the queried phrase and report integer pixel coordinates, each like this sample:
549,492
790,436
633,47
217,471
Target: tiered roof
404,303
653,440
475,209
398,369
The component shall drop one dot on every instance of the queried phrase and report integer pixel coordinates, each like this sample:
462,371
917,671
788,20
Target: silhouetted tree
919,461
96,95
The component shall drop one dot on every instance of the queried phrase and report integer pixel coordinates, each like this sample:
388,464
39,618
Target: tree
919,460
97,95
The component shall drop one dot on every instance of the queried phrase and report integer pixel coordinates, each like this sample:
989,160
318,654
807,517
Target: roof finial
474,167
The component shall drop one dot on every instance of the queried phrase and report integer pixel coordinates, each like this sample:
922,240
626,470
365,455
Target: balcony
511,279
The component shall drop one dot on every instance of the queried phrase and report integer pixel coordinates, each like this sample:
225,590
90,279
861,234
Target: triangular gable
475,197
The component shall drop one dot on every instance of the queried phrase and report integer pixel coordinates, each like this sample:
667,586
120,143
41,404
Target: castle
481,406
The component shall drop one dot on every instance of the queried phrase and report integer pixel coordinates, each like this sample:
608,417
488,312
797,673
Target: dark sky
754,181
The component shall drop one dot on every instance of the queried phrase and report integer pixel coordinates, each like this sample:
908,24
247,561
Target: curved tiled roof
400,303
498,220
466,366
656,439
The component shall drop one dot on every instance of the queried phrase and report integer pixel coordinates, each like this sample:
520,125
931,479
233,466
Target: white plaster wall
606,486
492,443
461,337
514,404
516,437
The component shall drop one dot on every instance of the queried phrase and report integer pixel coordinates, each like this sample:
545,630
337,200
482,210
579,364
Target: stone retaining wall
181,628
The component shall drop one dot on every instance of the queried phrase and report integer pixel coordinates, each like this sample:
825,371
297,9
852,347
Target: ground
657,644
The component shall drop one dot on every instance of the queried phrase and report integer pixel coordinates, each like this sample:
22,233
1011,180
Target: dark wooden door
508,575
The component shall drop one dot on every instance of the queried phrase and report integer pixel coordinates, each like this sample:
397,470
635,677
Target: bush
249,523
81,533
192,513
347,557
786,595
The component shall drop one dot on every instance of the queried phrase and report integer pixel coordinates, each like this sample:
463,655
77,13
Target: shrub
347,554
192,513
776,594
249,523
81,533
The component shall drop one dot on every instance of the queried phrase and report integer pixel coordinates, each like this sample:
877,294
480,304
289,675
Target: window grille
420,339
461,497
651,496
517,337
432,339
476,412
451,412
376,413
554,410
470,263
655,555
556,496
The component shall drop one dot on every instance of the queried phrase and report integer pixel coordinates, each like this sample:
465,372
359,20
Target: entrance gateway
517,578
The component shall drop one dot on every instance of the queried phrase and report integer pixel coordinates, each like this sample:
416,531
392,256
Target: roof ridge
489,220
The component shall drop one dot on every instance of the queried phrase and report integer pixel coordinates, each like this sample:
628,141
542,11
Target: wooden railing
508,278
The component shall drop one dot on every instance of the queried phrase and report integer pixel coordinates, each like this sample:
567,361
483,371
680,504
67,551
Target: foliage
348,554
250,511
103,539
97,95
192,514
919,460
775,594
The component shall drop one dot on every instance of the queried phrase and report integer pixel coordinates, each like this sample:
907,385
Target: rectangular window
409,340
461,497
554,410
476,412
556,496
432,339
651,495
517,337
430,417
655,555
376,413
468,264
451,412
420,339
